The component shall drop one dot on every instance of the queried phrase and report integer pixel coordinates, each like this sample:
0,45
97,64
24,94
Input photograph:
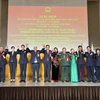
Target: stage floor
29,83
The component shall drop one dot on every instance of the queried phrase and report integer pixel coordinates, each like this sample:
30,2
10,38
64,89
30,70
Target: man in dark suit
80,63
90,64
23,61
2,64
97,64
47,62
12,62
35,60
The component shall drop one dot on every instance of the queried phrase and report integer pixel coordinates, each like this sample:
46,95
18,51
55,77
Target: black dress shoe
11,81
94,81
21,81
79,80
44,80
67,81
82,80
33,80
89,81
38,80
14,81
3,81
62,81
24,81
97,81
49,81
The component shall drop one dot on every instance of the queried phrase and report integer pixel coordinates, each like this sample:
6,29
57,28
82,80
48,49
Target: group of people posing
72,63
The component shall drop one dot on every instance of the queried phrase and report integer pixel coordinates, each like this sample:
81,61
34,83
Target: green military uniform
65,64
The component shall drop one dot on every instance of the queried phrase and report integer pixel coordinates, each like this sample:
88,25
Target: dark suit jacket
35,55
47,56
23,56
90,58
97,60
80,59
2,60
12,57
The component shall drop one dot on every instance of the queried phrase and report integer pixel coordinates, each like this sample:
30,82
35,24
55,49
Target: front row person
55,65
74,70
23,61
80,63
97,64
47,62
35,60
65,64
90,64
12,62
2,64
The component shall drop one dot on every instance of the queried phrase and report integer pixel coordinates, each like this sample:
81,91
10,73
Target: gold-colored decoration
47,9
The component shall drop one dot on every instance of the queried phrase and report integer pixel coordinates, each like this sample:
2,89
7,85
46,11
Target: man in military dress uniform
65,64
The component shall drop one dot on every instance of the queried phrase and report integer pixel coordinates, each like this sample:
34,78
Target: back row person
91,61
